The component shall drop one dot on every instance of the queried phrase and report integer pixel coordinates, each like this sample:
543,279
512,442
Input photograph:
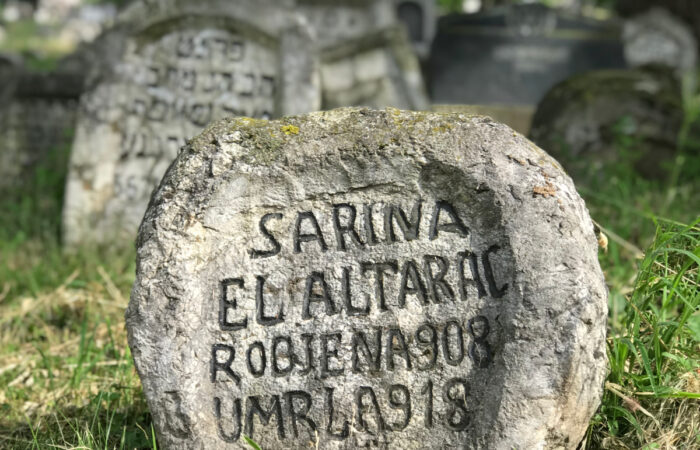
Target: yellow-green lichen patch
443,128
290,129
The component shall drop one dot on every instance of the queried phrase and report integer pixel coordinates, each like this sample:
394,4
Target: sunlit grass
67,379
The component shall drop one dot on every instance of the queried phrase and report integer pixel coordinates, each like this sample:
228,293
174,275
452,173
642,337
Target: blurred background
91,87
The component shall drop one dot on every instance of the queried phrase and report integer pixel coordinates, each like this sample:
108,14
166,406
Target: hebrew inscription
171,89
191,64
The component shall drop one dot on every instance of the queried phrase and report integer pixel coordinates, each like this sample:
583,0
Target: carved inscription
175,86
353,294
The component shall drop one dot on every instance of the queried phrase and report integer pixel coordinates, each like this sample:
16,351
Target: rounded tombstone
611,119
657,37
177,66
360,278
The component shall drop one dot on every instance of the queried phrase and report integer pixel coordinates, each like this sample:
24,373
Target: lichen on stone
290,129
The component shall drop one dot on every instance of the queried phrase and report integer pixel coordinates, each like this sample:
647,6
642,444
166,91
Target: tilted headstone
686,10
657,37
420,19
515,54
183,65
377,70
335,21
10,67
366,59
38,119
359,278
584,120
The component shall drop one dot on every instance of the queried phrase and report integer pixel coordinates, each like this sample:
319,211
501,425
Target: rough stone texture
582,120
518,118
37,120
657,37
526,371
182,64
378,70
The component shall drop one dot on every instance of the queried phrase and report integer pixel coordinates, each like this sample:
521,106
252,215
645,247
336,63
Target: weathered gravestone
657,37
514,55
37,122
366,58
335,21
585,121
10,66
686,10
420,19
360,278
183,65
377,70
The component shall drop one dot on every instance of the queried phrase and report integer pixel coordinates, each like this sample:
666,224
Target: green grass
652,390
67,379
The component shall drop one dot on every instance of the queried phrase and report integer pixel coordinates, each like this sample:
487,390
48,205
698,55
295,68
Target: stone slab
182,65
658,37
420,19
38,119
378,70
515,54
336,21
358,278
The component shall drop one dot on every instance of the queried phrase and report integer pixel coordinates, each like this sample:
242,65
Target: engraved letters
362,285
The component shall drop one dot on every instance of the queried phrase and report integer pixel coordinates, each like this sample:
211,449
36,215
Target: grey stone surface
420,19
657,37
518,118
378,70
513,55
366,58
583,121
182,64
335,21
38,118
414,280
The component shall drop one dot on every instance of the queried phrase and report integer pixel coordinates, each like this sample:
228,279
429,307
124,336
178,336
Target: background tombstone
420,19
10,67
686,10
375,70
37,122
433,283
366,59
183,65
657,37
586,120
514,55
335,21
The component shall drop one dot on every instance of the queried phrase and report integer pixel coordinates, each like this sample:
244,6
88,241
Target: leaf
251,442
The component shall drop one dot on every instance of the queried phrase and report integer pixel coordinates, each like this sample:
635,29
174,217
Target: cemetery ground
67,378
